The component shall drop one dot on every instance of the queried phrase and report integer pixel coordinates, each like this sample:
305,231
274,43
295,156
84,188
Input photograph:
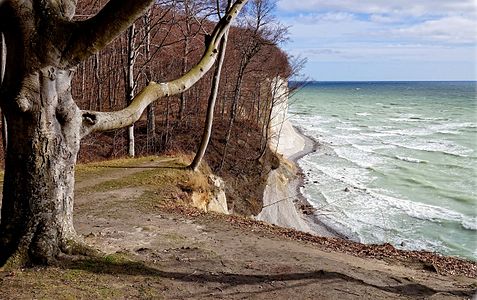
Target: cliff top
157,246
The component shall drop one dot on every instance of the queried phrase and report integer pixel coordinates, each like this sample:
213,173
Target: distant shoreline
380,81
311,145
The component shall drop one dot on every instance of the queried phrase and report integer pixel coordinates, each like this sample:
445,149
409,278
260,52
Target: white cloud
401,7
447,30
407,32
385,19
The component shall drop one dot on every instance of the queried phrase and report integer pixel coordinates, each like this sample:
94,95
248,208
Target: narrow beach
282,200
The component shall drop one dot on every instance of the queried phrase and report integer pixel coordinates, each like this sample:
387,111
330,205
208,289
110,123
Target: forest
166,42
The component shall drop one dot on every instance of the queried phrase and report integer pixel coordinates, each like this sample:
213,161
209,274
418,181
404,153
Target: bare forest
165,43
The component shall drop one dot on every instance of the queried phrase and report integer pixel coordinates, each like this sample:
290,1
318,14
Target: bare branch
90,36
102,121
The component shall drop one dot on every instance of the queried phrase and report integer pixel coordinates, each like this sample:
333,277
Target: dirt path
169,252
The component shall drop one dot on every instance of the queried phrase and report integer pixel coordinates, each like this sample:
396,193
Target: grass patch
163,179
85,171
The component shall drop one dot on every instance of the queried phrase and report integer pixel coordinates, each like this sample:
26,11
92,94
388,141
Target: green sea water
397,161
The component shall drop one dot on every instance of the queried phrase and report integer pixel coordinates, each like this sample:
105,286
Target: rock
217,199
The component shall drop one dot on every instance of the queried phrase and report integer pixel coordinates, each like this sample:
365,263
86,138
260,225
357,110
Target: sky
366,40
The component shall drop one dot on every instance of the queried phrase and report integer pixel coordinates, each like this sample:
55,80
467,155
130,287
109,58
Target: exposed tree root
77,247
70,249
16,261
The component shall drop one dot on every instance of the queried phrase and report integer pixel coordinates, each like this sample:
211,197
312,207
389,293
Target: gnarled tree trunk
45,126
37,208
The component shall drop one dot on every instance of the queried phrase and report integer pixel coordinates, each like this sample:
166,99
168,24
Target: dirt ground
157,248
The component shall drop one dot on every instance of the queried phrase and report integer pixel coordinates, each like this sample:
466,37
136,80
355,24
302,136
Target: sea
396,162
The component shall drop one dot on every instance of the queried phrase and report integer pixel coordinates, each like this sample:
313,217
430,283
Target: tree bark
3,59
151,117
37,208
131,83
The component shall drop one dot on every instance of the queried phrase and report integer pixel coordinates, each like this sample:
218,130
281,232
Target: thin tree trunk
233,111
3,60
211,106
131,84
97,77
185,61
151,119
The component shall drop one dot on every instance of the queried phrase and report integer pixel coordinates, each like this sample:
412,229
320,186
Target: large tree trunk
37,209
45,125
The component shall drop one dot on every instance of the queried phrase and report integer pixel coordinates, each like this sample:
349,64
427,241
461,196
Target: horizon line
470,80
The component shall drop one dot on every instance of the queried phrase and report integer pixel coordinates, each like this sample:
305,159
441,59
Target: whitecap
360,158
372,148
347,128
470,224
410,159
363,114
435,146
427,212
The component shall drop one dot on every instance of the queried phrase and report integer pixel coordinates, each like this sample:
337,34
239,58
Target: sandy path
177,253
188,256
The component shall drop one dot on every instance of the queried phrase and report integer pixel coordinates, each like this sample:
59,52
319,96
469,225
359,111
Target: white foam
426,212
372,148
429,129
356,177
435,146
378,134
410,159
470,224
358,157
347,128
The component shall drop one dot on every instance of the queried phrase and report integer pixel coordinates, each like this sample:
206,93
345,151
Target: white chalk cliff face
278,196
284,138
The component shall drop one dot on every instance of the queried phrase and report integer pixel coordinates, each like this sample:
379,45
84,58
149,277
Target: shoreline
303,205
283,203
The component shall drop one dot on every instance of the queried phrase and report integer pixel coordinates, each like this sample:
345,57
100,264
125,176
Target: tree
262,29
214,89
45,126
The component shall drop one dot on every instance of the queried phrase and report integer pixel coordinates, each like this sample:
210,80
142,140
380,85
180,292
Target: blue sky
383,39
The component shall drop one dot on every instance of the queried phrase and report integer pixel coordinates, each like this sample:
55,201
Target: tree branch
94,121
90,36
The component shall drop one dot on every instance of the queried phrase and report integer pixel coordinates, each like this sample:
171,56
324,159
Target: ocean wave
445,147
372,148
470,224
355,177
450,128
412,160
428,212
378,134
360,158
347,128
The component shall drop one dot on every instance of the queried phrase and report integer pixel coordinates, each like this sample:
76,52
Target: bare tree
211,102
261,29
45,124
